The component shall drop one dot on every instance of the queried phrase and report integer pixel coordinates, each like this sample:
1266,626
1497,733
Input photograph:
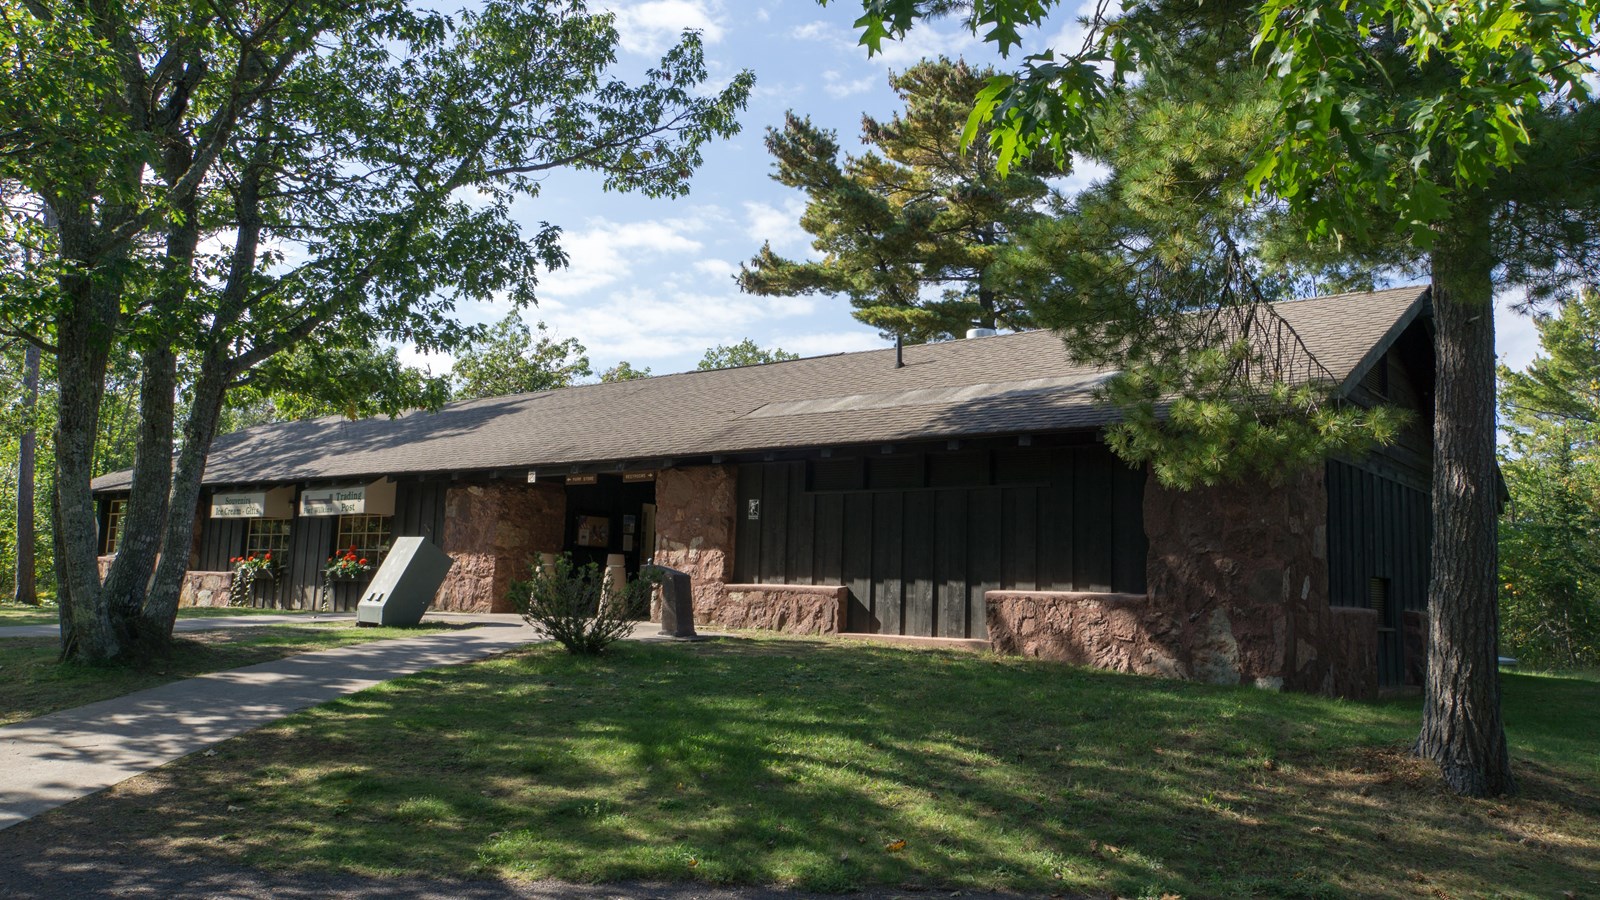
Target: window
116,511
268,536
368,534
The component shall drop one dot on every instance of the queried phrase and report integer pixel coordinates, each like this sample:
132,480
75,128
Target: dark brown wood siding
419,511
918,538
1378,552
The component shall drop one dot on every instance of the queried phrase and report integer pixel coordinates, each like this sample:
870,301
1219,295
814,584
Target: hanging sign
583,479
375,499
277,503
639,476
248,505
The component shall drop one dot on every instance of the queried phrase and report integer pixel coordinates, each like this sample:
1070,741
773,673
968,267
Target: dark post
677,603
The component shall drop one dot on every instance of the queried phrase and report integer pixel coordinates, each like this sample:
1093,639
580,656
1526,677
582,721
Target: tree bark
1462,730
24,587
85,330
145,516
199,429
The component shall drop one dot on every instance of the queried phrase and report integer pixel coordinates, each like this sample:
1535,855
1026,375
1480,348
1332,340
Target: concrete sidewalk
54,759
211,624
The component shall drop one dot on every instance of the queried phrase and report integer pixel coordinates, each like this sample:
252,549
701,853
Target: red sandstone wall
793,608
695,509
1110,631
1239,574
494,532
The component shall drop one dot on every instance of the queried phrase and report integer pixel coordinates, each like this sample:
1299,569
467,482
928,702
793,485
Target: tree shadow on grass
806,762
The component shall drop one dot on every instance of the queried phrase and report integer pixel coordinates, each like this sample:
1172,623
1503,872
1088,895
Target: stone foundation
205,589
1353,668
792,608
1238,579
1414,640
494,533
695,509
1108,631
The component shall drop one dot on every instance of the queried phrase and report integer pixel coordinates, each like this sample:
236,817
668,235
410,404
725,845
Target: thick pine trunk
1462,729
24,587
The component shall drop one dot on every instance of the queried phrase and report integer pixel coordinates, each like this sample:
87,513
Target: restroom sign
752,509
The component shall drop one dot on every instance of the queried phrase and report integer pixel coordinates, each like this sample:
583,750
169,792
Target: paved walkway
212,623
54,759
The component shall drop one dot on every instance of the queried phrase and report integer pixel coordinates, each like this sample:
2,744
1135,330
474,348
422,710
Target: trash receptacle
405,584
677,603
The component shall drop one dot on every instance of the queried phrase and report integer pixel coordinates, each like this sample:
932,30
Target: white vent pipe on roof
980,332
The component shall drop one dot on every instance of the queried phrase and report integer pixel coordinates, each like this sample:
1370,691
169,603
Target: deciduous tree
509,360
744,353
230,181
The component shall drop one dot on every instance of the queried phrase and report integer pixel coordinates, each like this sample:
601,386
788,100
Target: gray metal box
405,584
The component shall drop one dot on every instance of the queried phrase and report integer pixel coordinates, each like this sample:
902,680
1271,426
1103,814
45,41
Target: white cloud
817,30
780,227
663,328
1516,339
840,87
822,343
650,27
605,252
716,268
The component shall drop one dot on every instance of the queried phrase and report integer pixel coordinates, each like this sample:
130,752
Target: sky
650,281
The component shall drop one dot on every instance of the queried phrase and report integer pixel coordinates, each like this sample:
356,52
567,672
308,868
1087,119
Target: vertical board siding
918,533
1378,528
950,563
918,560
888,583
856,561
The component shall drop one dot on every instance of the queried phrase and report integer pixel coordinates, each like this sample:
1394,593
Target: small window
369,535
116,511
1377,378
1378,598
958,469
892,472
268,536
836,475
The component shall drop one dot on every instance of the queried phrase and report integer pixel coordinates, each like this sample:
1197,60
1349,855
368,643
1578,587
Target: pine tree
1550,536
910,230
1460,140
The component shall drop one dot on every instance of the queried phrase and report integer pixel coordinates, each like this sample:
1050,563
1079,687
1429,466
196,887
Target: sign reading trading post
375,499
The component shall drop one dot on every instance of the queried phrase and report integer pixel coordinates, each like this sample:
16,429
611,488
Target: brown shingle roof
1007,384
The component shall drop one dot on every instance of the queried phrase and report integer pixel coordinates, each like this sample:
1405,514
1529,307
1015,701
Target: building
964,495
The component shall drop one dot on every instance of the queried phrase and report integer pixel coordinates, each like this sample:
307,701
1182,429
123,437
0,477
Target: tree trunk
91,295
199,428
146,514
1462,729
24,589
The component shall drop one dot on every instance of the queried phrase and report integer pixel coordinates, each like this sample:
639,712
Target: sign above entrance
590,478
639,476
277,503
375,499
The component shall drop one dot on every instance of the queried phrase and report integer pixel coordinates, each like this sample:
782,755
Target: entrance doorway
615,514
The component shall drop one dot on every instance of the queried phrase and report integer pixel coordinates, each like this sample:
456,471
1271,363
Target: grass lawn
830,766
47,614
32,683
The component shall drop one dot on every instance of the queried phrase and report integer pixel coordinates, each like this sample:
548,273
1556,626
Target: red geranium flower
363,562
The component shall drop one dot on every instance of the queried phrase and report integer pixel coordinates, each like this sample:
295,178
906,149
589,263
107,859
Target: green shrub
575,607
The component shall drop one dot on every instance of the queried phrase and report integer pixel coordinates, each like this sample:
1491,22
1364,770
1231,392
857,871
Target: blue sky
651,281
